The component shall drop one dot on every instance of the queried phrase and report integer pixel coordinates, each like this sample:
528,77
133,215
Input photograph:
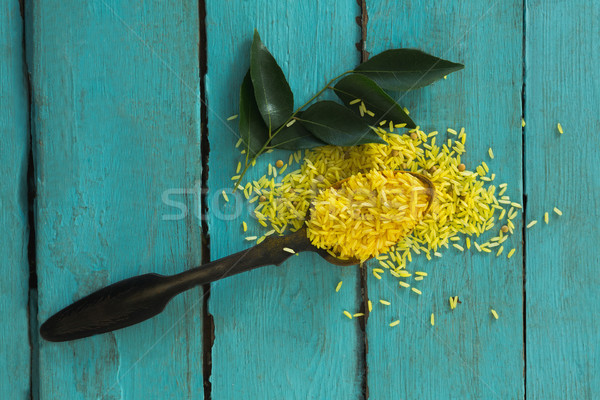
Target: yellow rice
351,219
368,214
557,211
463,204
532,223
510,253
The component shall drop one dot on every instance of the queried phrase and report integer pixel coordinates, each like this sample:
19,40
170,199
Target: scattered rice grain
557,211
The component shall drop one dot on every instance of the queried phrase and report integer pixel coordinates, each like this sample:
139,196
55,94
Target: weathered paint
14,267
279,331
467,354
563,257
116,125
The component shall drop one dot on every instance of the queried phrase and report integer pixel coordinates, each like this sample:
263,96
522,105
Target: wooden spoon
141,297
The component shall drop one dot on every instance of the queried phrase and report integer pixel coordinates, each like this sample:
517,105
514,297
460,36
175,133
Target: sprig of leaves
268,119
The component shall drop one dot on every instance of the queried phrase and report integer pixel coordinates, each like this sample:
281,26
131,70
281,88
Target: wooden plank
278,330
14,266
116,115
467,354
563,299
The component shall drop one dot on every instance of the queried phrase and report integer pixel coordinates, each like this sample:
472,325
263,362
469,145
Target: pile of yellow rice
367,214
467,201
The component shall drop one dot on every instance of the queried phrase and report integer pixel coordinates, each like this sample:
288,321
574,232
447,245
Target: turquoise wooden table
116,148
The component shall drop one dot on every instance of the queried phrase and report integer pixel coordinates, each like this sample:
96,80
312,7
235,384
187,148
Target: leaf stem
327,86
272,135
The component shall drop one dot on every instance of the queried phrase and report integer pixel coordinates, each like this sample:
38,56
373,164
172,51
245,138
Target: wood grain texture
280,331
116,124
563,284
467,354
14,266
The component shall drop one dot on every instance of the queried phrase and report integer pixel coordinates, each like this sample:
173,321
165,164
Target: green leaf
357,86
253,130
273,94
335,124
406,69
295,137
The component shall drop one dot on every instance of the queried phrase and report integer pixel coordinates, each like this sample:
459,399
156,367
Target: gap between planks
208,327
524,201
362,21
32,306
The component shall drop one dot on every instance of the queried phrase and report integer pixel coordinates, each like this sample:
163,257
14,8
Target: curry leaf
253,130
357,86
406,69
295,137
335,124
273,94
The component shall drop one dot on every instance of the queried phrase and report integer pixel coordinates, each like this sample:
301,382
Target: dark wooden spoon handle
139,298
